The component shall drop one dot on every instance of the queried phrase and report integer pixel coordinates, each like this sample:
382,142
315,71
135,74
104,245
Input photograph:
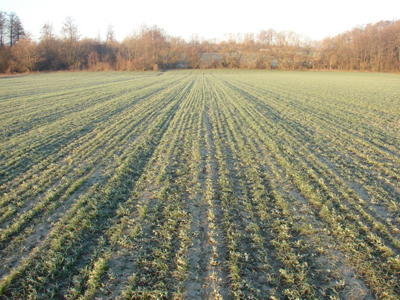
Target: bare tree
69,30
266,38
3,22
110,36
23,56
71,36
193,52
248,42
15,28
47,32
175,52
48,49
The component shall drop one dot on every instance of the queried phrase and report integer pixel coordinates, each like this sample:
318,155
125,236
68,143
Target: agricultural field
202,184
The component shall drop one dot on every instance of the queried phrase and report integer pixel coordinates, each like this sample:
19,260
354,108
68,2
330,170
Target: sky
208,19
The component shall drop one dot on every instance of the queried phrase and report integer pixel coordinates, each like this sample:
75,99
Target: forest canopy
373,47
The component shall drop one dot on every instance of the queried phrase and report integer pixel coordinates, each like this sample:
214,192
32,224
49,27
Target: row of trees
375,47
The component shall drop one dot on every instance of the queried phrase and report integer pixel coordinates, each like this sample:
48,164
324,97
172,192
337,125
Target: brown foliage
374,47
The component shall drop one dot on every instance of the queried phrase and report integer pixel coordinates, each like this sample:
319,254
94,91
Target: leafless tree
69,30
3,22
373,47
48,49
47,32
266,38
23,56
70,48
110,36
15,28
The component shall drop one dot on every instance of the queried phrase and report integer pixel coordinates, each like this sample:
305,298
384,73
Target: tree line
374,47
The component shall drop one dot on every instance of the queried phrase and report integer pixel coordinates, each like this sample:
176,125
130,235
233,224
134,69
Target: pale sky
206,18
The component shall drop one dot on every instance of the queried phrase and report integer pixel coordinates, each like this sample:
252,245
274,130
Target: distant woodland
374,47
